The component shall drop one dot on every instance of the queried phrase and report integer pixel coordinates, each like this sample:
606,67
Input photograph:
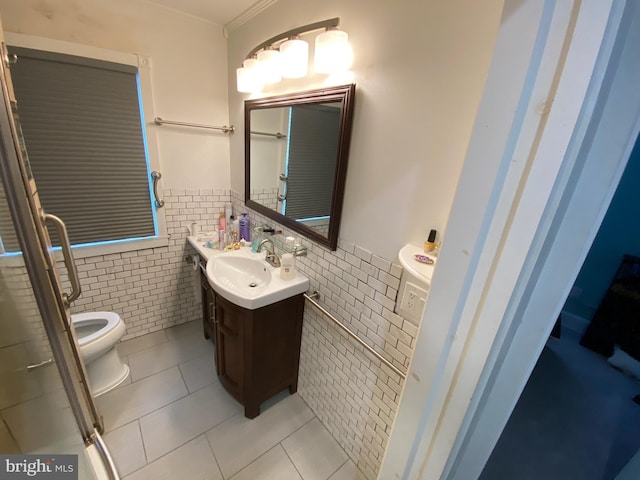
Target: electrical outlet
413,300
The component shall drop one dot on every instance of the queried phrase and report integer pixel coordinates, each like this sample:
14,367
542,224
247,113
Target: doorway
576,415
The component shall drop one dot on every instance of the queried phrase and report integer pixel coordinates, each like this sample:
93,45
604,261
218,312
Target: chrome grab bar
156,175
316,295
69,261
110,465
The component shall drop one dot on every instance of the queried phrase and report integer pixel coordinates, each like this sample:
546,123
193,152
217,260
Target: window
83,128
314,133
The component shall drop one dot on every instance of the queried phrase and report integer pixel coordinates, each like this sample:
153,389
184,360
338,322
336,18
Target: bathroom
419,69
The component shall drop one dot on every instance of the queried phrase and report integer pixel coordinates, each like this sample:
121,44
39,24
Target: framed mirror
296,151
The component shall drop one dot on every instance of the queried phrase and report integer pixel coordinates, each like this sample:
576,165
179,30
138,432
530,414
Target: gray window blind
313,150
83,133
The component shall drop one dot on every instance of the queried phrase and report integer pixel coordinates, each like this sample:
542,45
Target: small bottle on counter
430,244
288,267
221,238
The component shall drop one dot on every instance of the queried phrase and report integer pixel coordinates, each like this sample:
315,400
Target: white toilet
97,334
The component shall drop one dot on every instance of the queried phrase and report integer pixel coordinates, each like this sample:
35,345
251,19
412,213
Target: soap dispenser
287,266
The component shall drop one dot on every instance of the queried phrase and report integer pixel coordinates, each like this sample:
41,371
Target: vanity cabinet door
229,346
208,308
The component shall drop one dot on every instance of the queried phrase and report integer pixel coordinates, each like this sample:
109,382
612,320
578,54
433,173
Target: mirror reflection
296,153
296,171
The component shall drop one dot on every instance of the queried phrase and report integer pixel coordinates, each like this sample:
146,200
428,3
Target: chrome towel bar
312,299
223,128
267,134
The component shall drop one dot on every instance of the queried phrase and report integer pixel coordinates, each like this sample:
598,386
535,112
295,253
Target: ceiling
221,12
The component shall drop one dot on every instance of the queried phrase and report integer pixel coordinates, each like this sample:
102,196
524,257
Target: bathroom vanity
257,335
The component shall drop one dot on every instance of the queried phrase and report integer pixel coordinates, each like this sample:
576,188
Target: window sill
119,247
16,260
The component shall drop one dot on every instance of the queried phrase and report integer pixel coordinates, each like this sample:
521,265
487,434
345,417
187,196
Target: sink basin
247,280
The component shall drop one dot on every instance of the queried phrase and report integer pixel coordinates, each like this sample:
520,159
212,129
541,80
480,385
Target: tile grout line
215,459
342,465
258,458
189,440
291,460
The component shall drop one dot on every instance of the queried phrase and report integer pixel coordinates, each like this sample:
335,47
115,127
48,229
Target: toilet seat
108,329
103,322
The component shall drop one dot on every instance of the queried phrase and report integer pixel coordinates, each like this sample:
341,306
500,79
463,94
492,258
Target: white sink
247,280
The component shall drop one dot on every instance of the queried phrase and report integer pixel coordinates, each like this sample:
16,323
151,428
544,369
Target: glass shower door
46,406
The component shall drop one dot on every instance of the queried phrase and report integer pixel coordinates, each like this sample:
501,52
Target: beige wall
188,72
420,68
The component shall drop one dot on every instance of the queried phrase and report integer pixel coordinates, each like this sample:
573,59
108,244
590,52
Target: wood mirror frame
344,94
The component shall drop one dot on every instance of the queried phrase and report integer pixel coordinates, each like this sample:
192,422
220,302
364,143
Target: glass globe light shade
270,66
248,77
332,53
294,54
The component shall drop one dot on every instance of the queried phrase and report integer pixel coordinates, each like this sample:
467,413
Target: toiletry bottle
222,221
244,228
235,225
227,213
221,238
288,267
230,224
430,244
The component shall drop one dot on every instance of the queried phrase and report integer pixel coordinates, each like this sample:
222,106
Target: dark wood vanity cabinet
258,351
208,305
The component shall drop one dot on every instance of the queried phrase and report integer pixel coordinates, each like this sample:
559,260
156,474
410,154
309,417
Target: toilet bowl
97,334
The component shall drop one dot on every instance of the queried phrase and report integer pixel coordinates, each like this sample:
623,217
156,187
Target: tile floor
172,419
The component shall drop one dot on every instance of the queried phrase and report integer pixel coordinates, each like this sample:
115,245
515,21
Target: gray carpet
575,420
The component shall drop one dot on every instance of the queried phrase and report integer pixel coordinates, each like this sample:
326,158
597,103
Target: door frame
532,193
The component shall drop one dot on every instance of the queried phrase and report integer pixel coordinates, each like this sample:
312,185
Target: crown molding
247,15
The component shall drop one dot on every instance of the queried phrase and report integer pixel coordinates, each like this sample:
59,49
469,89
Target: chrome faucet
271,256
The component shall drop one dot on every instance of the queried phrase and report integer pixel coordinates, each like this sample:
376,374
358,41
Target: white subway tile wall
266,196
154,288
351,392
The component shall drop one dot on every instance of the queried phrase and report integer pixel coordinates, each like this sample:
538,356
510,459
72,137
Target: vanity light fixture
287,55
295,58
333,53
270,65
249,77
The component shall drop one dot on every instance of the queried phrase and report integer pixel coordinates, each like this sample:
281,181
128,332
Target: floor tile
181,421
43,424
125,445
348,471
13,360
273,465
166,355
314,452
199,372
122,405
135,345
191,461
7,443
184,329
239,441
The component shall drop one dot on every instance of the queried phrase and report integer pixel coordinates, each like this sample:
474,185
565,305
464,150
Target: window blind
313,151
83,133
